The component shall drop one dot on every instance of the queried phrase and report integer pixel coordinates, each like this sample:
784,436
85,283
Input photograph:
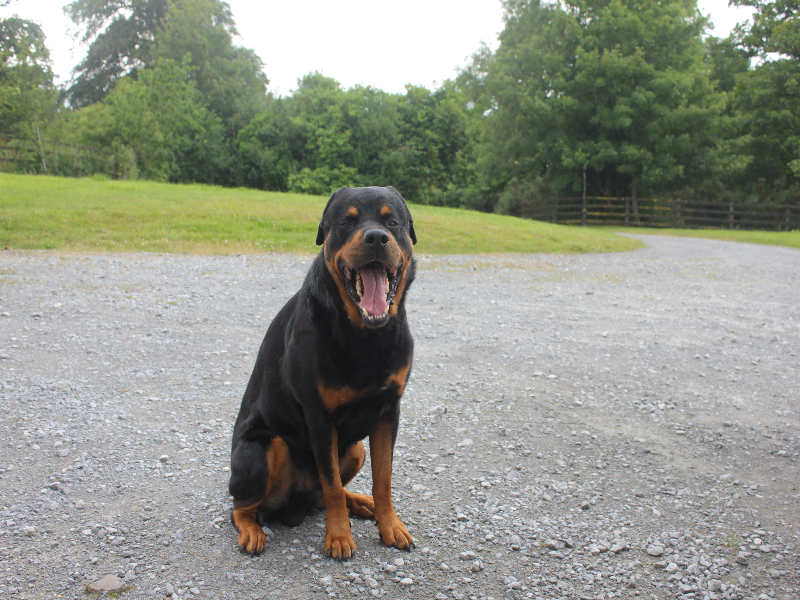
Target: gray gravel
590,426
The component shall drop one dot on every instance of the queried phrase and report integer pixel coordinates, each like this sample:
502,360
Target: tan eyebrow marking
386,210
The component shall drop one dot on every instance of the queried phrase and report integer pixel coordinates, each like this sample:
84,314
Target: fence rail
650,212
57,158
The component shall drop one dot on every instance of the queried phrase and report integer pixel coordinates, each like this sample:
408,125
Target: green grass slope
40,212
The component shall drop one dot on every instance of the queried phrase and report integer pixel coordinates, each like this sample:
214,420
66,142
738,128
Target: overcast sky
370,42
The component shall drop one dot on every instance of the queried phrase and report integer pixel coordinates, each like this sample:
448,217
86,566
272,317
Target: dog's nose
376,239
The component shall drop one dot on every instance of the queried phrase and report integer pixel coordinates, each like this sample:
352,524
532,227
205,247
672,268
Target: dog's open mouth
372,287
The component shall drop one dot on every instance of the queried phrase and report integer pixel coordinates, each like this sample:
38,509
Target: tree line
632,97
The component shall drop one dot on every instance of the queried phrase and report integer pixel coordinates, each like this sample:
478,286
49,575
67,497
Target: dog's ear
322,223
411,231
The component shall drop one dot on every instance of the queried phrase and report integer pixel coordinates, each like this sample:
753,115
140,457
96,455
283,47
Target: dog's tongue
374,299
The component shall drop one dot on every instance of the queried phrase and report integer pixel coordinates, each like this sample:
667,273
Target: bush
519,193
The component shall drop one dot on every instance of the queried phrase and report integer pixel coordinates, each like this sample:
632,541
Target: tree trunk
133,162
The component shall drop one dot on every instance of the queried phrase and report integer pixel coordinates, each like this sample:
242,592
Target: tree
27,95
616,86
373,118
324,137
431,155
725,61
270,148
120,35
768,96
125,36
229,78
157,120
319,109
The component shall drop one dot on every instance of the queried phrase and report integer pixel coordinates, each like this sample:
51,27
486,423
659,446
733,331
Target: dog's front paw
340,546
252,539
394,534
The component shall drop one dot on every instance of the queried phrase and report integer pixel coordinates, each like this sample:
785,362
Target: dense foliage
324,137
590,83
633,94
27,94
768,98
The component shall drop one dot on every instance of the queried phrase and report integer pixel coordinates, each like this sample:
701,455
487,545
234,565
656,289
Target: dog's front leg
339,541
381,449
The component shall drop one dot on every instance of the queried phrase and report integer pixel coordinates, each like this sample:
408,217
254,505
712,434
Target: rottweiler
330,372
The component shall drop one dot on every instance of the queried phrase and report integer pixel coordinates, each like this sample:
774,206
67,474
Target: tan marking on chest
333,398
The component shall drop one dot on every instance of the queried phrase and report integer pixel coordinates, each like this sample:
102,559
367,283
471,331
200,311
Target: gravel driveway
591,426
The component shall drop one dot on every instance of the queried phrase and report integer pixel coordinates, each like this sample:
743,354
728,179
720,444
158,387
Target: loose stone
109,583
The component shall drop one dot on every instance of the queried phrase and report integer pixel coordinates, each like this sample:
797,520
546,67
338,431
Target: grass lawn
41,212
769,238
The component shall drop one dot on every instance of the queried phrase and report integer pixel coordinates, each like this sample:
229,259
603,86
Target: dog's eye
346,225
392,223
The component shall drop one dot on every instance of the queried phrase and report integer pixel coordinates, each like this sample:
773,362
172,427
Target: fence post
41,145
677,209
730,216
627,212
788,221
583,213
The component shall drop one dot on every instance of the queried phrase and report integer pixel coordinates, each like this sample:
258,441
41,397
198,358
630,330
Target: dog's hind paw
252,540
360,505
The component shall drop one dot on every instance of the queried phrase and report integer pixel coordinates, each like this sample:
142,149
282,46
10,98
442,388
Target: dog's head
368,235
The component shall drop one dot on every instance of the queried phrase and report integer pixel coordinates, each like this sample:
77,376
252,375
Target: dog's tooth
359,288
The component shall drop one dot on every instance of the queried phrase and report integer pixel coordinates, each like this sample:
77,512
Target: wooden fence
649,212
55,158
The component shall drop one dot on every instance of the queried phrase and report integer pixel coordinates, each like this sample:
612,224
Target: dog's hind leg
350,464
259,479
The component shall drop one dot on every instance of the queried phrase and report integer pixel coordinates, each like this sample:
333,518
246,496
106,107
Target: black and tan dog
329,373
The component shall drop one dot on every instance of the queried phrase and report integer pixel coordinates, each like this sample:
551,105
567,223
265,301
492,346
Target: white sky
385,44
